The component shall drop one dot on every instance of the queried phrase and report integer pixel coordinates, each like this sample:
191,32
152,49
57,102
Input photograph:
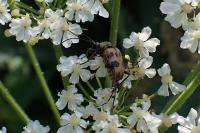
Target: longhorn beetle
113,60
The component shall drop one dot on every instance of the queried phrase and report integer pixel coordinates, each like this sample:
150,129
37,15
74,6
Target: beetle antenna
89,39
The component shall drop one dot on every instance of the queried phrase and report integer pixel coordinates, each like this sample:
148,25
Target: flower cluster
184,13
56,25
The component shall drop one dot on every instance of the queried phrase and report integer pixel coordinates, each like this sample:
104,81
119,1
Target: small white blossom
138,117
35,127
177,10
153,122
5,16
167,82
191,37
21,28
53,15
168,121
109,125
98,64
141,43
72,123
98,8
3,130
70,98
87,111
43,28
144,69
65,33
190,124
79,10
76,66
103,95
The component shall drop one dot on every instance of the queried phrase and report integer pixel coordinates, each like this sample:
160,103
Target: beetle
113,60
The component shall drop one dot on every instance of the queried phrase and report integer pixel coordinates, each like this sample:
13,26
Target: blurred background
18,75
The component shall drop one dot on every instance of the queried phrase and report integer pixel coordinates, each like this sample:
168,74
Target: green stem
5,93
43,82
58,52
98,82
27,7
188,79
84,91
115,21
180,100
90,86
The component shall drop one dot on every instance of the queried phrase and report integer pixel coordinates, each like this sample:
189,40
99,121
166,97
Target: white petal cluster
35,127
141,43
177,11
21,28
105,97
106,123
98,65
70,98
87,111
72,123
142,119
84,10
191,37
168,83
190,124
3,130
144,69
76,66
5,16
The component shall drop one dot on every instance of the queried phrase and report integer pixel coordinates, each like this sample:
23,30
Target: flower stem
58,52
90,86
180,100
43,82
85,92
27,7
115,21
116,4
98,82
5,93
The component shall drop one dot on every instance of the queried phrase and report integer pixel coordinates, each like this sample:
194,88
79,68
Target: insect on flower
113,60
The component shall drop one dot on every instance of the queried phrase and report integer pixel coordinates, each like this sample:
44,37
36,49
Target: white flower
144,69
87,111
65,33
43,28
191,37
53,15
167,82
177,11
138,117
35,127
141,43
153,122
76,66
79,10
189,124
109,125
3,130
98,8
98,64
5,17
69,97
103,95
72,123
21,28
168,121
